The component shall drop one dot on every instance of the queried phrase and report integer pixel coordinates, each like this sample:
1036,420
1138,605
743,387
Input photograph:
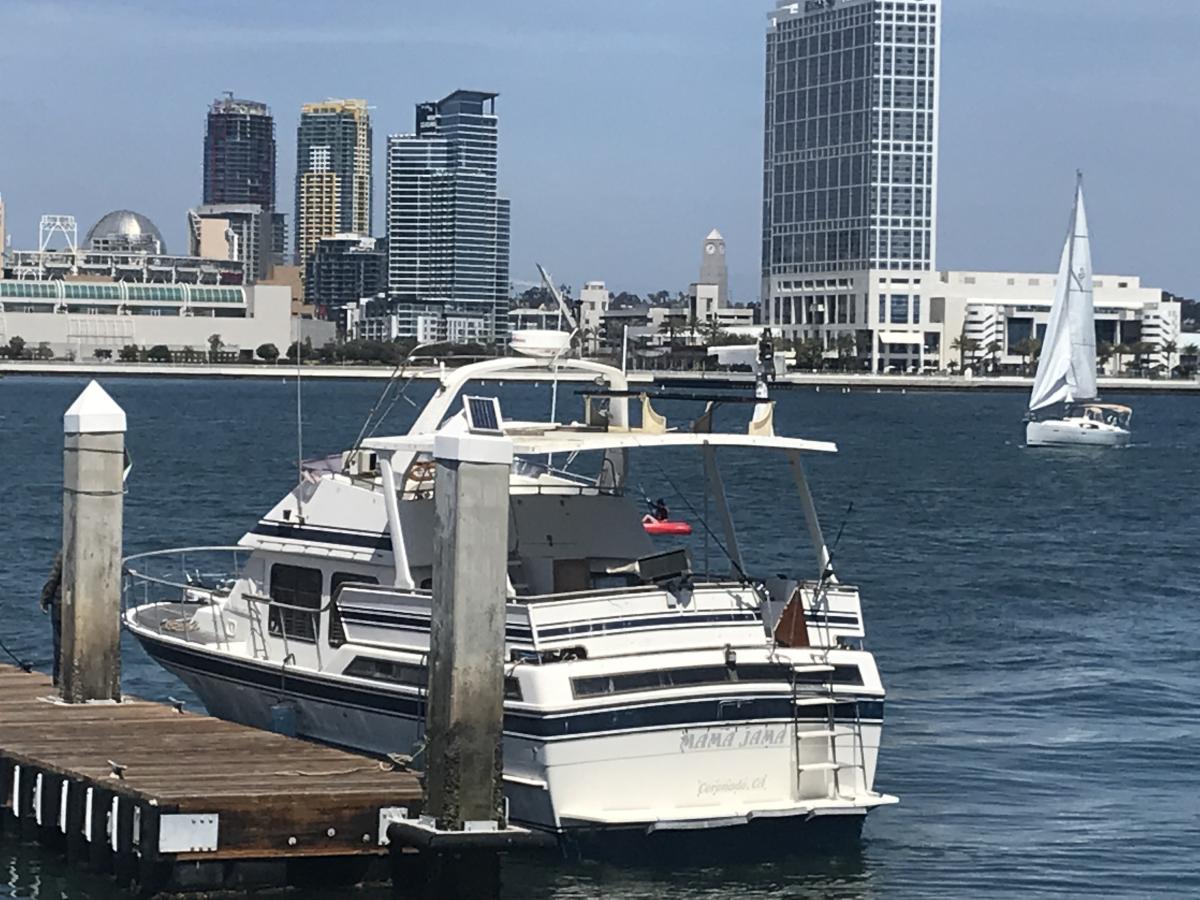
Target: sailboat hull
1075,431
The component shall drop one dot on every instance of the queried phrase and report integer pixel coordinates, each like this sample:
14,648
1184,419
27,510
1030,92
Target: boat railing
170,586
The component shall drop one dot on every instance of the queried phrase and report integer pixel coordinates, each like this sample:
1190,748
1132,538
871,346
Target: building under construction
239,164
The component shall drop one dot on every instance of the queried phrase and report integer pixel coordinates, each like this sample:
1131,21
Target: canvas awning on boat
567,440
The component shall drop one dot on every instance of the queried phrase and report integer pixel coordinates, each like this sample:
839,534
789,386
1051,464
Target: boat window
631,682
337,633
294,589
411,674
388,670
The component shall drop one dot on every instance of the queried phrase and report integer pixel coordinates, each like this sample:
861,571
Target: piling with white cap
466,658
93,469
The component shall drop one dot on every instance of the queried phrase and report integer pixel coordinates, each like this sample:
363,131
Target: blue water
1034,614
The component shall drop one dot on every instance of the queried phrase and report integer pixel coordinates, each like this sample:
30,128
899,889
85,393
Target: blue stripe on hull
544,726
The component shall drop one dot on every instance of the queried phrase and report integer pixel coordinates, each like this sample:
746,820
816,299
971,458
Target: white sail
1080,313
1067,366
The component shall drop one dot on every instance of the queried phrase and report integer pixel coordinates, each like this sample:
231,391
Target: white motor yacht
643,697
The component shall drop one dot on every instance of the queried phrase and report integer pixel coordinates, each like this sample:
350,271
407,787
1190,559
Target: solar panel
483,415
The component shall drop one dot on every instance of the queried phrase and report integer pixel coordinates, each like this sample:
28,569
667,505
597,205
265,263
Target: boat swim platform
171,801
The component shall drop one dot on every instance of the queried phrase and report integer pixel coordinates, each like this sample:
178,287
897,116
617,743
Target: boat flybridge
641,697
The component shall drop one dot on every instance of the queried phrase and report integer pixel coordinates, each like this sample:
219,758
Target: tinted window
410,674
294,589
630,682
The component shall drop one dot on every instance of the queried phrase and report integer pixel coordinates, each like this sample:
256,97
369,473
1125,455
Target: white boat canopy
568,440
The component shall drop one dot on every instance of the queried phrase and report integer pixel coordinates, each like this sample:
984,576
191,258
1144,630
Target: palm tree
1170,348
967,348
810,353
1120,352
1024,348
846,348
993,350
1189,350
1104,352
1141,349
958,345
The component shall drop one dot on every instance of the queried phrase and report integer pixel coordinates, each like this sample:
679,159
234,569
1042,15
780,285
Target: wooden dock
169,800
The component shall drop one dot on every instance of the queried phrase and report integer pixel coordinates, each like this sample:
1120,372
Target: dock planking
279,803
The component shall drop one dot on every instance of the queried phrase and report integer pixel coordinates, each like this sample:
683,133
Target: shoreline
791,381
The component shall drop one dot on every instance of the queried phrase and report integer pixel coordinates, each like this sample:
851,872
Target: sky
629,128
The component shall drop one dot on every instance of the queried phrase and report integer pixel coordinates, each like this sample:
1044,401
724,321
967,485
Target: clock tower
712,266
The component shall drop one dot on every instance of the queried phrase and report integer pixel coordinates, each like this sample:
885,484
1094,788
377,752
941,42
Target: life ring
422,471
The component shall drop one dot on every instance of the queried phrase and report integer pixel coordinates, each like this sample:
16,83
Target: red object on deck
664,526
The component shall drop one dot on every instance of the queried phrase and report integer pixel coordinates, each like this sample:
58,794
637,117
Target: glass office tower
850,151
447,226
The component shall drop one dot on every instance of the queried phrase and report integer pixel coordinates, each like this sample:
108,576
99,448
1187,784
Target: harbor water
1034,614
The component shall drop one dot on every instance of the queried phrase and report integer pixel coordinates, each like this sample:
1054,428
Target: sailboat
1066,373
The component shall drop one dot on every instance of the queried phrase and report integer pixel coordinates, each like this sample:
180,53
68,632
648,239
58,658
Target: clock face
710,249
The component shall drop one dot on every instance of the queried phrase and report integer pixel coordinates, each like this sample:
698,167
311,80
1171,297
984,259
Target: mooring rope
22,664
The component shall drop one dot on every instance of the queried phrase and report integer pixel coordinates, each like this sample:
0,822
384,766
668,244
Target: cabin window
631,682
410,674
294,589
388,670
337,633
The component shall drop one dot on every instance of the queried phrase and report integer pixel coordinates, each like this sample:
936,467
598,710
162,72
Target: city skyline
603,187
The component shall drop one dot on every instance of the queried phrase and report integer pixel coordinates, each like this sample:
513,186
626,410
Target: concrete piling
466,660
93,468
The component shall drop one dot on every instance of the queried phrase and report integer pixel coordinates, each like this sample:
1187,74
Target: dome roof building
123,230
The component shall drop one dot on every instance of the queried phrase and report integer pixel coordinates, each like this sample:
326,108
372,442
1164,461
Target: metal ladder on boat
258,641
832,765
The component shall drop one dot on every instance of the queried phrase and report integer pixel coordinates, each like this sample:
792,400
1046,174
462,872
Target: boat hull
1074,432
694,785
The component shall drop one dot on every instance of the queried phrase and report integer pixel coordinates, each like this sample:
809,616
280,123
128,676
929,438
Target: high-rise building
239,153
343,270
333,172
850,161
447,226
233,231
239,162
3,236
279,238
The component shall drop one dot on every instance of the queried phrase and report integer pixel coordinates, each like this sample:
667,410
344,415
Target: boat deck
181,801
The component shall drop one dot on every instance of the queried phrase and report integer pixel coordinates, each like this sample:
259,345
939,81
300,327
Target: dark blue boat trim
388,619
312,535
354,615
725,710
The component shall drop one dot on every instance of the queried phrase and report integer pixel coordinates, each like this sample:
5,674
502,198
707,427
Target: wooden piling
466,638
93,485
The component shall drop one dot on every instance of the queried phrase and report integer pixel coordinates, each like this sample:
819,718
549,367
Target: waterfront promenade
791,381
